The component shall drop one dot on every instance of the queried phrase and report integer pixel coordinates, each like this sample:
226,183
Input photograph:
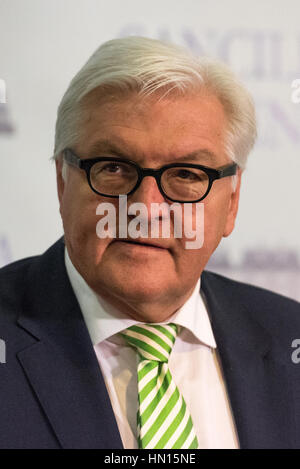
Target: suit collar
62,366
255,367
63,370
235,326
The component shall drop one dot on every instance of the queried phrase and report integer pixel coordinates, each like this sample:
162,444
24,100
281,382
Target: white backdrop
44,43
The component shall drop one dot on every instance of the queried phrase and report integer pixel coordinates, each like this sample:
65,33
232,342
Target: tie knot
153,342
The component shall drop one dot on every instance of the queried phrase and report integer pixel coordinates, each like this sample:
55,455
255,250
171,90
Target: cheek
203,221
78,215
192,261
78,210
215,218
206,222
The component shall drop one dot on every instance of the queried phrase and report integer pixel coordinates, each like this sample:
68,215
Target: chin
140,288
137,288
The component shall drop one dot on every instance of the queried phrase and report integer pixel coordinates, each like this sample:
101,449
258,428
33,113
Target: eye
186,174
111,167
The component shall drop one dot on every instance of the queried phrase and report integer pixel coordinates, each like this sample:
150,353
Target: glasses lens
185,184
113,177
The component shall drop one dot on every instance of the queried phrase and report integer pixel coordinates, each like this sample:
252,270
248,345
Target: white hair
148,66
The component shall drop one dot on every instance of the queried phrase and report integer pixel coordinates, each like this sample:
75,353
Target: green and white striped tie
163,419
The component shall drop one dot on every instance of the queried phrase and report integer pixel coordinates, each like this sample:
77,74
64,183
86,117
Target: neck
147,311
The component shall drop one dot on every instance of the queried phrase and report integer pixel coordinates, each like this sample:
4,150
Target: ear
59,179
233,207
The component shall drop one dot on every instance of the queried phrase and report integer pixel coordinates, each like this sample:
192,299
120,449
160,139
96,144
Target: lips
142,243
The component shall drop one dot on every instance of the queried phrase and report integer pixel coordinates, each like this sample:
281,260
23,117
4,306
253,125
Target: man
110,343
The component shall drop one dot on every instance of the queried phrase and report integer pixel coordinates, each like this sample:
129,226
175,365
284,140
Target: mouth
141,244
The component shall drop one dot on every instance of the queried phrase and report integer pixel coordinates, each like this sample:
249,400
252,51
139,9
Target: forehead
162,129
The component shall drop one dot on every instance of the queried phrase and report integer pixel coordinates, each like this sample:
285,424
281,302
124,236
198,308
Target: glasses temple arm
228,170
71,159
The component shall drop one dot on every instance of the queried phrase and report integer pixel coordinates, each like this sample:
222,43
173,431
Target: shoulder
23,279
13,285
245,289
17,268
13,275
16,277
266,307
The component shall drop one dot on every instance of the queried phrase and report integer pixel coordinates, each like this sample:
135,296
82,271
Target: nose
147,193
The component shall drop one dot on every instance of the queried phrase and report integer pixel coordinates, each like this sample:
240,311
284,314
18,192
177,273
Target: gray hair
147,66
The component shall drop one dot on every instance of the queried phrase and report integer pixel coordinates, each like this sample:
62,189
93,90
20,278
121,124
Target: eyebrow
108,146
196,155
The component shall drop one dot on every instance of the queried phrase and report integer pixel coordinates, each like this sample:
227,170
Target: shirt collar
104,320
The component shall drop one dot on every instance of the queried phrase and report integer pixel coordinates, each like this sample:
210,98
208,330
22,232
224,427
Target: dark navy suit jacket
52,393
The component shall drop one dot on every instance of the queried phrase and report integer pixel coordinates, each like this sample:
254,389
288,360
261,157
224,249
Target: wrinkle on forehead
135,127
119,147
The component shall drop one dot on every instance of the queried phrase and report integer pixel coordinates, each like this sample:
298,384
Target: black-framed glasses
184,183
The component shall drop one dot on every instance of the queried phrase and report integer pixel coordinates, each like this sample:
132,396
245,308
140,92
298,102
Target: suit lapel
61,366
64,373
255,371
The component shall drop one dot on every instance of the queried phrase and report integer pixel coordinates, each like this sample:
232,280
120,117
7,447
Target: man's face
145,282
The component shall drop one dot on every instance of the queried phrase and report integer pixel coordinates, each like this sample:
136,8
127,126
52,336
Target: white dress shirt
193,363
